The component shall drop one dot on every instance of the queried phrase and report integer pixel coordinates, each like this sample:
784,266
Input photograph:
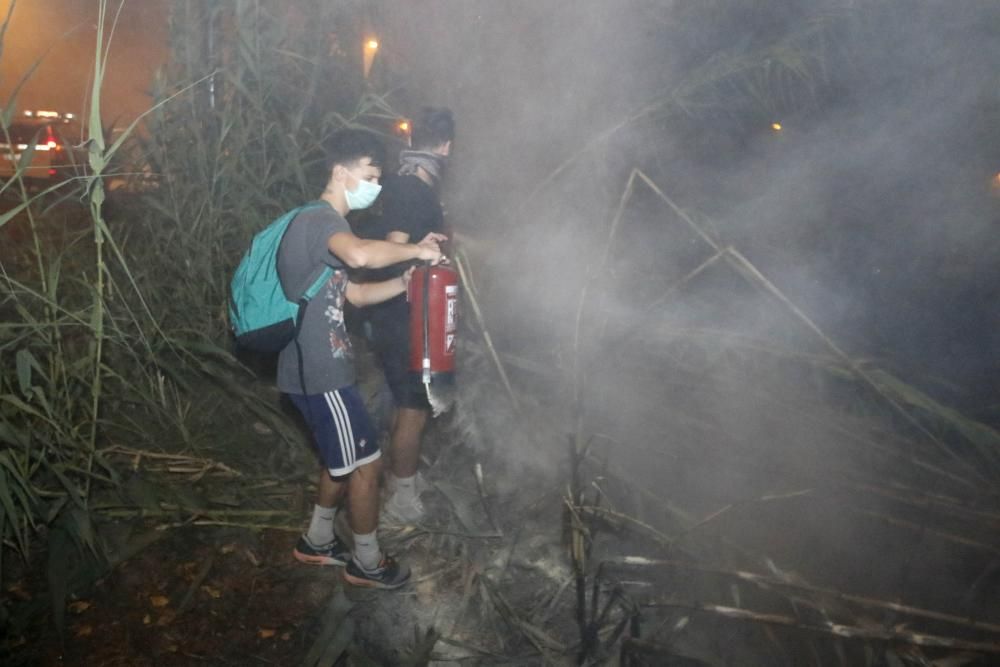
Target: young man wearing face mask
321,383
411,209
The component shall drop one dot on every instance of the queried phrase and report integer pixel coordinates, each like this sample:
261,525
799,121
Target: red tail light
51,141
52,172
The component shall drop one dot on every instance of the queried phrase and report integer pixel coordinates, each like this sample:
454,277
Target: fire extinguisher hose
426,362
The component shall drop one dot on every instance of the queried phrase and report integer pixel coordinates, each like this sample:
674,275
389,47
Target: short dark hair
346,147
433,127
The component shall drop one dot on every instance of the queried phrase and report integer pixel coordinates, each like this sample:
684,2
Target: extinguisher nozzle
441,391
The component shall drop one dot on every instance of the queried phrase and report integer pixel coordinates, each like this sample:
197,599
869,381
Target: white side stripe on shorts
346,445
352,448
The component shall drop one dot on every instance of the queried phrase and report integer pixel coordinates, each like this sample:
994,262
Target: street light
371,47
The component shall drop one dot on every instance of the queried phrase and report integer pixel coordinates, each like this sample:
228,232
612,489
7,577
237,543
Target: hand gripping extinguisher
433,297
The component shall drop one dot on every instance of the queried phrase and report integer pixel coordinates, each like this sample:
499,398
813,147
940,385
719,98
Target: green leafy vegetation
114,331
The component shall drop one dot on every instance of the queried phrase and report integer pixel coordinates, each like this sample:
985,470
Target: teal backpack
263,319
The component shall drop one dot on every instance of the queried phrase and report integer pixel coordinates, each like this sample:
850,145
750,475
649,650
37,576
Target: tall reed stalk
107,341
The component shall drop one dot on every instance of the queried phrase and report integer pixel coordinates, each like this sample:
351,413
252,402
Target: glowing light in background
776,127
57,37
403,126
371,47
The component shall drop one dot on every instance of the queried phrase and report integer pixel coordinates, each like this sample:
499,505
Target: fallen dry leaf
79,606
159,600
147,619
83,631
17,590
228,548
285,636
266,633
212,592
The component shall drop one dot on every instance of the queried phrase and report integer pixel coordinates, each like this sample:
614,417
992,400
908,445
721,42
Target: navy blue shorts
339,422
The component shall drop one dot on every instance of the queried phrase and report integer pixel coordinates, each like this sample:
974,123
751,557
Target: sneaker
420,484
334,553
402,511
388,574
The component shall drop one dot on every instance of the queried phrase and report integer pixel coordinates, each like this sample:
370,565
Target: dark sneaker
334,553
388,574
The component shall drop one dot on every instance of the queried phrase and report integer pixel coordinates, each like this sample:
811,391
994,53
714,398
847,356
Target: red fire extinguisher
433,297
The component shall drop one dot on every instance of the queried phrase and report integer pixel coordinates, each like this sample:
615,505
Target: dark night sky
66,29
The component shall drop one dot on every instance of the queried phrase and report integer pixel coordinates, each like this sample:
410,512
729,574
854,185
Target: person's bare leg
318,546
330,490
404,444
362,493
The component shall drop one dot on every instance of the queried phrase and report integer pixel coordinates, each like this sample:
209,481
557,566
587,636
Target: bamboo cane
803,587
538,638
745,268
662,538
833,629
486,332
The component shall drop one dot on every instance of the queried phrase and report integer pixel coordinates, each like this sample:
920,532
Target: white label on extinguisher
449,343
451,296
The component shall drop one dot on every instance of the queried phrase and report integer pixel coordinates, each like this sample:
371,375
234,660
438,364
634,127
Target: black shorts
390,324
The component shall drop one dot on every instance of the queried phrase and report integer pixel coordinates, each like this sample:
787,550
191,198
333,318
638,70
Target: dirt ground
197,595
234,596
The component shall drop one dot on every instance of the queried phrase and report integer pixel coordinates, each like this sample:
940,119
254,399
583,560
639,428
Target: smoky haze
873,208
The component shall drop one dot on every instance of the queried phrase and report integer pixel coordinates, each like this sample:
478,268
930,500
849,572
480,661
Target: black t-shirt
407,205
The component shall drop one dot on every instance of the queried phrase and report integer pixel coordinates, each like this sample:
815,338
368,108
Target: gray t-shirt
328,361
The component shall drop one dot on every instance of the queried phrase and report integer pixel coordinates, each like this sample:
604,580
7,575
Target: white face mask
363,196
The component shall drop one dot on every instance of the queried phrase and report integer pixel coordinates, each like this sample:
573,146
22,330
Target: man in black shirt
411,209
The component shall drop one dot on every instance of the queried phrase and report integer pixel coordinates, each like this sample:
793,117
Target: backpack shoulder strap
322,275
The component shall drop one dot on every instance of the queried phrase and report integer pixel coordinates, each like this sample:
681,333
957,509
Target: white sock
406,489
366,550
320,530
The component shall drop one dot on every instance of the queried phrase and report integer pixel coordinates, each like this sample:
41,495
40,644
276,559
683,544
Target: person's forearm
387,253
375,254
368,294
